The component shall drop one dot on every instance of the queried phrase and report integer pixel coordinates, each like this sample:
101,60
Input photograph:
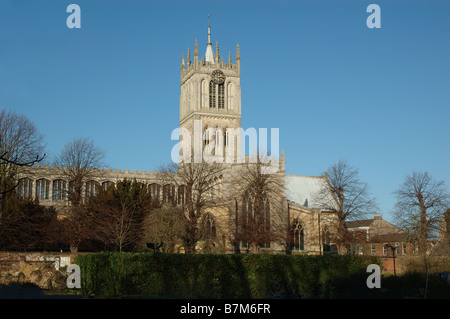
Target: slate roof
303,189
392,237
359,223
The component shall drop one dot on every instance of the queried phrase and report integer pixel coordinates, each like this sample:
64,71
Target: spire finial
238,57
209,56
195,49
188,59
209,29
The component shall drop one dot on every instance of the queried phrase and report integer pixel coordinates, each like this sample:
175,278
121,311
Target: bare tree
420,207
345,196
75,162
118,212
21,145
199,181
166,225
260,216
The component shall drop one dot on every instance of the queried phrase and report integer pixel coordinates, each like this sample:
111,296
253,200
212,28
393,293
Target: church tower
210,100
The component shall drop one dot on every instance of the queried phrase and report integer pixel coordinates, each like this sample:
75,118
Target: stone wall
46,270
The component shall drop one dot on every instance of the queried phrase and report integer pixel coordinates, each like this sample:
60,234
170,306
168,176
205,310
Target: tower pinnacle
217,52
195,49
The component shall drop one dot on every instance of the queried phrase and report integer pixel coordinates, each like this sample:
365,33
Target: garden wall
41,269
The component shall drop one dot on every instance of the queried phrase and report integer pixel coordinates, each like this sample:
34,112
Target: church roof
303,190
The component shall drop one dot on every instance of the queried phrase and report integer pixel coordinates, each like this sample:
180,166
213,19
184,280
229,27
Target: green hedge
220,276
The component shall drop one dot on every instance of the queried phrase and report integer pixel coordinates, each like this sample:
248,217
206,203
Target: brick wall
416,263
388,264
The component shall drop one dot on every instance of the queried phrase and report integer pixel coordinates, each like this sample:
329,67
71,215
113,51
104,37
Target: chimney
376,217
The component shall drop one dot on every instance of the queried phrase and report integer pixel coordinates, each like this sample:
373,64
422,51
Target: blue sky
379,98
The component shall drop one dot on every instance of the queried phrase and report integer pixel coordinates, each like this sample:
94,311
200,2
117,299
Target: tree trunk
74,248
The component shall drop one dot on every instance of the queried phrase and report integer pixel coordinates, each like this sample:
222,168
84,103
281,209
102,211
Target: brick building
372,237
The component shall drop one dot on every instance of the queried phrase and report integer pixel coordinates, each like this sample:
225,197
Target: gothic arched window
208,135
216,93
168,193
326,240
212,94
181,194
154,190
254,222
91,189
106,185
221,96
208,227
42,188
59,190
297,236
217,136
25,187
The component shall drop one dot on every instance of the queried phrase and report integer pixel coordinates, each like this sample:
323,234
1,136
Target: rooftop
303,190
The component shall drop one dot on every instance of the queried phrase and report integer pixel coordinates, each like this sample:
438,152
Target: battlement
56,170
229,69
209,62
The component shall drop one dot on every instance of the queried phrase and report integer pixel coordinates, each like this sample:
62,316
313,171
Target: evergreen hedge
216,276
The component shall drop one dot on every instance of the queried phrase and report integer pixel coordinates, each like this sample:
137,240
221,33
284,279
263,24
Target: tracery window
216,93
208,227
326,240
168,193
254,221
106,185
221,96
59,190
91,189
206,136
42,188
297,236
25,188
212,94
181,194
154,190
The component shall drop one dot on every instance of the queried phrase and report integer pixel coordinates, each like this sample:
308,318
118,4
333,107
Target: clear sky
336,89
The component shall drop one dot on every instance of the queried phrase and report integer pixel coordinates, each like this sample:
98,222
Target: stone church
210,104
